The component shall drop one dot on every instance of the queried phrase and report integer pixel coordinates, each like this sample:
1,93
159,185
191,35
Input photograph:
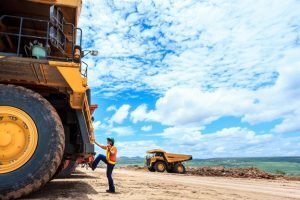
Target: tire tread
37,184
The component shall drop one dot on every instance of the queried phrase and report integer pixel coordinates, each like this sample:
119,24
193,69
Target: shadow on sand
80,176
63,189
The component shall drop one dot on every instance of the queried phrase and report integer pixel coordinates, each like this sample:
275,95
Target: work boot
109,191
91,166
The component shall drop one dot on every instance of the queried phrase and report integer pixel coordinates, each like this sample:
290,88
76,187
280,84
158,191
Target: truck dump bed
177,157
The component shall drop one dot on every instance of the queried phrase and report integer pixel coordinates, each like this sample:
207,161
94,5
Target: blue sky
208,78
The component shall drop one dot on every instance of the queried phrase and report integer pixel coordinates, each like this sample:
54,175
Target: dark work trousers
109,170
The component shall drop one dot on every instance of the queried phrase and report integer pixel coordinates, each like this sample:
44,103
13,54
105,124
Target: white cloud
289,124
228,142
159,45
108,129
135,148
121,114
96,125
147,128
280,101
139,114
183,135
111,108
182,106
122,130
228,53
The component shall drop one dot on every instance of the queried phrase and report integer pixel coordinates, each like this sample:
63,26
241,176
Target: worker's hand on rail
97,143
100,145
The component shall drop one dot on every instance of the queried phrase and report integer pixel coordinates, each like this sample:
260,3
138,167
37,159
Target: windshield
149,155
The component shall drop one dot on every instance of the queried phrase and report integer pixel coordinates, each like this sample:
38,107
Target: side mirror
94,53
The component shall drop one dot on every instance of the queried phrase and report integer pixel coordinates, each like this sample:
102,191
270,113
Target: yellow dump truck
158,160
45,103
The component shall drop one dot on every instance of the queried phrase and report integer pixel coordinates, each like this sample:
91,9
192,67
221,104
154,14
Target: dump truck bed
62,76
30,71
177,157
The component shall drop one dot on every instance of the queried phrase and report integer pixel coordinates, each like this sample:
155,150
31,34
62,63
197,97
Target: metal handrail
84,71
47,37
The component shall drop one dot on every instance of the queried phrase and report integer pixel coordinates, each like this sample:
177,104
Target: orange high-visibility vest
111,158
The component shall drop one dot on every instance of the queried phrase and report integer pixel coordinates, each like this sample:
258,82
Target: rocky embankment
230,172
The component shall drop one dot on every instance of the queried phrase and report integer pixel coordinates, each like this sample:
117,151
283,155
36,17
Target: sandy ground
85,184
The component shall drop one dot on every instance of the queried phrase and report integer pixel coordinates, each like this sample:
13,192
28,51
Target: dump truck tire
170,169
179,168
67,172
151,169
29,114
160,166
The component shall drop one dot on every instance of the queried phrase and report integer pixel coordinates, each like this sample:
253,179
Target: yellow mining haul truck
45,111
158,160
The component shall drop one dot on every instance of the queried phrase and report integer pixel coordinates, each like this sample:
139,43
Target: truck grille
148,161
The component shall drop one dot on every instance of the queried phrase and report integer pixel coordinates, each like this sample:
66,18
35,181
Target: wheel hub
5,137
180,169
160,167
18,138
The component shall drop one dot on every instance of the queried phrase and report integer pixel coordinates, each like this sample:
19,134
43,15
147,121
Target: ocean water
275,165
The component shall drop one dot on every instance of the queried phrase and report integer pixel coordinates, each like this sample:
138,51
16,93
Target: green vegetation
280,172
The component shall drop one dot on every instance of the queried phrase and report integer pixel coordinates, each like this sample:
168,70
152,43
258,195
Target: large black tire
47,156
170,169
179,168
151,169
67,172
160,166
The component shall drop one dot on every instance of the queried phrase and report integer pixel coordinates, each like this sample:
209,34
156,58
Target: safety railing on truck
49,43
53,36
